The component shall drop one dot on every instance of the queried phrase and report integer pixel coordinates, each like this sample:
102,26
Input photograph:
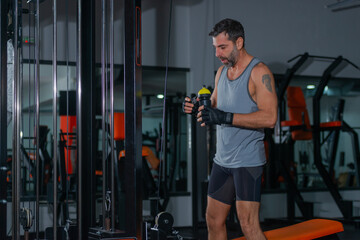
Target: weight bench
312,229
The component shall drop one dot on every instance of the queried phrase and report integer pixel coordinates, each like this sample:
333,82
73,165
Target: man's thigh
221,185
217,210
248,210
247,181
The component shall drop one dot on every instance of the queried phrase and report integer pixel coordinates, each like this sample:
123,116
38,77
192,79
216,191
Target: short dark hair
231,27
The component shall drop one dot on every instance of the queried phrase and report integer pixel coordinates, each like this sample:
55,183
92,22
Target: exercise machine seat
298,115
311,229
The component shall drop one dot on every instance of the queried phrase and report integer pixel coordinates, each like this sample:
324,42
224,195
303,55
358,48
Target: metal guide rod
112,114
37,110
103,109
79,120
29,101
16,131
133,136
3,118
55,120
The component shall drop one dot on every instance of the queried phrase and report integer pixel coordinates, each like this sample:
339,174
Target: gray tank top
236,146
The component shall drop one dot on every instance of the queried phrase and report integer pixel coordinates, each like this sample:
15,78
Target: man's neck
243,60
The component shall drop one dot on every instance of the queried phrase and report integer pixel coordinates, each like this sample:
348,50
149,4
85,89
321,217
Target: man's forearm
258,119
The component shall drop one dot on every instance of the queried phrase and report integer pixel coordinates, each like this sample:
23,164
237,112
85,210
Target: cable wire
162,157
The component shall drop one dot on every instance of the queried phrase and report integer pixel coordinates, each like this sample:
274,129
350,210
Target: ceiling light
160,96
311,86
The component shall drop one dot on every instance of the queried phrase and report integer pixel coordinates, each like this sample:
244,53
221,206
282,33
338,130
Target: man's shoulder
218,73
260,69
220,68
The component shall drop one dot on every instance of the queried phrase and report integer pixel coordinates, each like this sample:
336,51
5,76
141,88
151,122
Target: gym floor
351,232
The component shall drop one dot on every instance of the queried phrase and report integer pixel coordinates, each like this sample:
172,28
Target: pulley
164,221
26,219
164,227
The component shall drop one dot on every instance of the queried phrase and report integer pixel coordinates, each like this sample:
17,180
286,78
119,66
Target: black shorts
242,184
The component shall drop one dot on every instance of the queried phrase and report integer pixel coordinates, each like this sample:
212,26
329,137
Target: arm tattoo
267,82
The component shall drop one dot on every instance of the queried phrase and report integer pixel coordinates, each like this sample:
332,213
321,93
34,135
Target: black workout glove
194,109
215,116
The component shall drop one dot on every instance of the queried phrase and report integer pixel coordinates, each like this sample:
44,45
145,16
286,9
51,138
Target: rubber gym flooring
350,231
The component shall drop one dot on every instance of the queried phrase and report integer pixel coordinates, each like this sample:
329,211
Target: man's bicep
264,80
268,82
265,91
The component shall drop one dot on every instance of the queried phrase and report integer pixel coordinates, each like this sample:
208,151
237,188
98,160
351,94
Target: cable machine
85,117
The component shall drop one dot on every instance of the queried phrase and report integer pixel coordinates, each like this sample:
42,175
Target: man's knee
246,226
251,228
248,223
214,222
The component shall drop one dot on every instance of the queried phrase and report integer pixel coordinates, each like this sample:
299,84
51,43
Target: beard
232,59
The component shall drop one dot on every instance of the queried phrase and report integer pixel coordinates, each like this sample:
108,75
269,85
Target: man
243,103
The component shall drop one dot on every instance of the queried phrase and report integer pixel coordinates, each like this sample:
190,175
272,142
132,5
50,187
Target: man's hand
190,106
209,116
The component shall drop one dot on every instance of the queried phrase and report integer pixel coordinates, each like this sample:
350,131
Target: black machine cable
68,147
162,157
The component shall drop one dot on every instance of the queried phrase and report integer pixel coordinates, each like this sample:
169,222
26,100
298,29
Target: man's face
225,50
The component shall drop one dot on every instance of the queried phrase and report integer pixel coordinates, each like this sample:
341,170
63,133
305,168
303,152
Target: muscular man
243,103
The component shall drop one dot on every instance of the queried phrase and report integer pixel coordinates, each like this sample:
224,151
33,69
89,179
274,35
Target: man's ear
239,43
